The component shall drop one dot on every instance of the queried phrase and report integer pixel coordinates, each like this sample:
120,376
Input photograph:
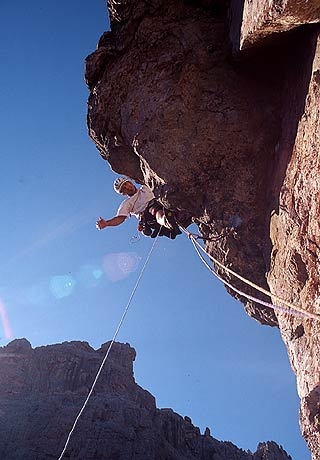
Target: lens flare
62,286
5,322
118,266
89,275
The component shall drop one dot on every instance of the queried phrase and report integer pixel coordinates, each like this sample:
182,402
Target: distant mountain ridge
43,389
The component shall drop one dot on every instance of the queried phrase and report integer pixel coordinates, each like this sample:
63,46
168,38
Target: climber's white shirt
136,203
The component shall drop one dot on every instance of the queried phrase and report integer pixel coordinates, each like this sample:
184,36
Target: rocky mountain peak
43,389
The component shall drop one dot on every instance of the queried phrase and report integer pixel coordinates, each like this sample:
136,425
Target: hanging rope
135,238
108,350
289,308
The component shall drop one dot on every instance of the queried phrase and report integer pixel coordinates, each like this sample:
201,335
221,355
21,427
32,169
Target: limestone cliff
43,389
215,105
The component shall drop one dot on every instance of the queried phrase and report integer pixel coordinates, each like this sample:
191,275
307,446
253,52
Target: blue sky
61,279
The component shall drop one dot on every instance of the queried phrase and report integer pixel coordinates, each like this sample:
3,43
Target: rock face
262,19
295,236
169,108
216,107
43,389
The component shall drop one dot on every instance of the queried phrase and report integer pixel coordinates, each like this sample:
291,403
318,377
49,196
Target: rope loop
288,307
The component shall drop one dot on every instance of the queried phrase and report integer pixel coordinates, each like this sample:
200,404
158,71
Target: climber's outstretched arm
117,220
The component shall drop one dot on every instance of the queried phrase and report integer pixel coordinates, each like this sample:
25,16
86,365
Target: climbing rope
108,350
288,308
135,238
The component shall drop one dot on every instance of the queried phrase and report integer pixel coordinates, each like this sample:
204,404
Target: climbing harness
108,350
149,226
288,308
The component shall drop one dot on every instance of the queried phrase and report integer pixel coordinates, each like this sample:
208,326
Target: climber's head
124,186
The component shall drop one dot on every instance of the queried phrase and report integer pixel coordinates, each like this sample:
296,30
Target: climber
153,218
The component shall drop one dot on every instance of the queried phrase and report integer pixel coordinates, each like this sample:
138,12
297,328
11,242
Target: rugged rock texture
43,389
227,137
295,258
262,19
169,108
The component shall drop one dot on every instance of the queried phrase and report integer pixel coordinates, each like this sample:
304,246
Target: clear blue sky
61,279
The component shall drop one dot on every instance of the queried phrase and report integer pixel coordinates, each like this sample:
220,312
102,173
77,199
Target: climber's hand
101,223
